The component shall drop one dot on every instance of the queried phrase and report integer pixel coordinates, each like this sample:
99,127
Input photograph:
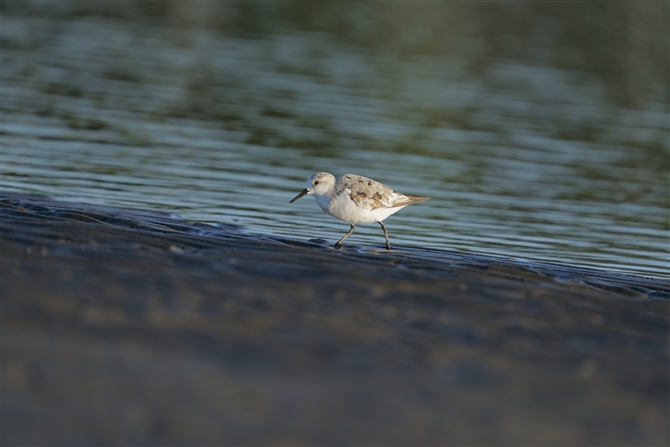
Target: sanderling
356,199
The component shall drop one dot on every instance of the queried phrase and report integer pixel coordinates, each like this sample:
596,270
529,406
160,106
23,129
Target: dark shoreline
124,326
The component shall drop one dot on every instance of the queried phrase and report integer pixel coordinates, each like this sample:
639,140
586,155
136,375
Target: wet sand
131,327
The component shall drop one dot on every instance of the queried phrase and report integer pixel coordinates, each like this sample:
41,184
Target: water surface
524,160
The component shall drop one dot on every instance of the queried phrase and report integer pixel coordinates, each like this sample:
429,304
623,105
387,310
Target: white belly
343,208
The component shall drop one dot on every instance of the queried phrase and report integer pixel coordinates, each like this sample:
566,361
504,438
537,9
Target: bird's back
370,195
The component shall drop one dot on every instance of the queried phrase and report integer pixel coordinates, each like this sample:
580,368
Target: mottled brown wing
367,193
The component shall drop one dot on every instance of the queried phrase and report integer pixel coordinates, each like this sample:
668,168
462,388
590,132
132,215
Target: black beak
304,192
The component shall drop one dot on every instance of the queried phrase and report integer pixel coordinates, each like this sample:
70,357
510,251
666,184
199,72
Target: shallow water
524,161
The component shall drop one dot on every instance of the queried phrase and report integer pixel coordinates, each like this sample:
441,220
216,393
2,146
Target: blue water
524,161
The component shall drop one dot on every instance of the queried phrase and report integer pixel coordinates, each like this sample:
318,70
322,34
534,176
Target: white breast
343,208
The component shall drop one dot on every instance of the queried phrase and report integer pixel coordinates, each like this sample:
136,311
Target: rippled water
525,161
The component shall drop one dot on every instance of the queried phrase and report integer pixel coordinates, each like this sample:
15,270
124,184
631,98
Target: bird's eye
316,182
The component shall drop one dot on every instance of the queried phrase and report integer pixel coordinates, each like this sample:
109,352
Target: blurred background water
540,130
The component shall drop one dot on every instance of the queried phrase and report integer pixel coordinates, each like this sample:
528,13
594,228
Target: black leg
386,235
338,244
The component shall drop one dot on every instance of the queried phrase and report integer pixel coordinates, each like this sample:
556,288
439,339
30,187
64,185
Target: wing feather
369,194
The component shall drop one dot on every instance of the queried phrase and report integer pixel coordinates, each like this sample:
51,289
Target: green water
523,160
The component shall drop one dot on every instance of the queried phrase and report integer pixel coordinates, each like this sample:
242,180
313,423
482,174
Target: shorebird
356,199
